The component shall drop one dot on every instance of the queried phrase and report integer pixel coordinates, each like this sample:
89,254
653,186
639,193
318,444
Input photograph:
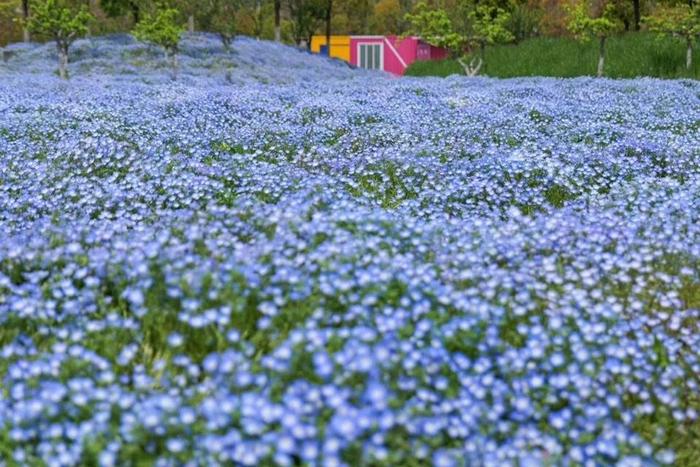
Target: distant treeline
294,21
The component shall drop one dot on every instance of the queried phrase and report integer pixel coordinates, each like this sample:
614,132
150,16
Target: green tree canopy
434,27
305,17
57,20
679,20
162,29
585,27
115,8
223,19
488,26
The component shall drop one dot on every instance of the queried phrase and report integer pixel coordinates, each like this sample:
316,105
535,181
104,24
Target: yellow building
340,46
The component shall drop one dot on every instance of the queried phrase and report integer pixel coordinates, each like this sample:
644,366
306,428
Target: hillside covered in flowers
277,260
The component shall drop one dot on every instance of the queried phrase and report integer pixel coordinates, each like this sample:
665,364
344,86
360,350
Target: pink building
391,53
388,53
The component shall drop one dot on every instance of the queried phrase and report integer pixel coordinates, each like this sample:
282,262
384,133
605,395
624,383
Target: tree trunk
88,33
601,57
226,40
174,63
135,12
329,13
482,51
190,23
25,15
62,61
258,19
278,31
689,53
637,13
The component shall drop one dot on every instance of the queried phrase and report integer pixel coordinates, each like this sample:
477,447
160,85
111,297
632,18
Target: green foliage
434,27
679,20
10,29
223,19
630,55
161,28
57,20
114,8
585,27
434,68
486,24
524,21
489,25
305,18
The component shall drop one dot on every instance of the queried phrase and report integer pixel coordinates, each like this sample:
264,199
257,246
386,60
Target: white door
370,56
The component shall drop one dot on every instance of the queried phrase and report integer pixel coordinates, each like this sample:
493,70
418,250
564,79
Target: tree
359,13
435,28
305,15
162,29
679,20
637,7
328,16
188,9
585,27
25,16
278,29
115,8
387,16
488,26
223,21
624,11
406,6
525,20
258,19
54,19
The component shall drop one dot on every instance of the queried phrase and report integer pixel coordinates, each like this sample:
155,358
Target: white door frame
381,53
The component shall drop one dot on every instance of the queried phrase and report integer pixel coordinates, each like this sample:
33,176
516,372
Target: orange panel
340,46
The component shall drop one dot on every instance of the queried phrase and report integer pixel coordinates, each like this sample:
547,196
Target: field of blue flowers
277,260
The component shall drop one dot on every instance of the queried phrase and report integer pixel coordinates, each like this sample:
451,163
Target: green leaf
160,29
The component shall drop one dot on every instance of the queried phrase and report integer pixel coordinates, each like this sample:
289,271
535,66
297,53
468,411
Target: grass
628,55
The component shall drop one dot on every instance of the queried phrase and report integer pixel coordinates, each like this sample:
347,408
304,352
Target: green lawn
628,56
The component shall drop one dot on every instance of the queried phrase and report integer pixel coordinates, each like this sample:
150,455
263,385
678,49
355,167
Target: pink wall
437,53
430,52
398,53
356,40
423,52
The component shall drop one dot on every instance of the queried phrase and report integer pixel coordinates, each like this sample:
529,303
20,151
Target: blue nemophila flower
220,271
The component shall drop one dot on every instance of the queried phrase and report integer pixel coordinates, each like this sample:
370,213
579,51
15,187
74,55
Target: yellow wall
340,46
